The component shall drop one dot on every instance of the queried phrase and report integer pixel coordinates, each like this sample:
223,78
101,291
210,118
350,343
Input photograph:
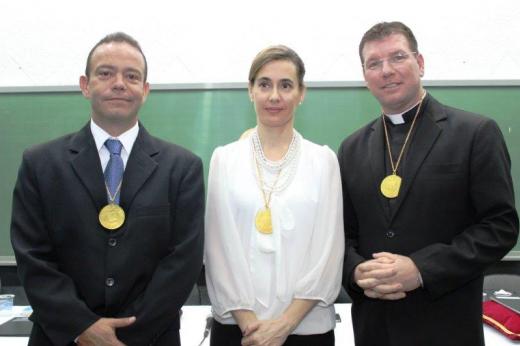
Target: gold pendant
112,216
263,221
390,186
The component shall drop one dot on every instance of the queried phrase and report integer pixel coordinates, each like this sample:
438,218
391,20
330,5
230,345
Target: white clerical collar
398,118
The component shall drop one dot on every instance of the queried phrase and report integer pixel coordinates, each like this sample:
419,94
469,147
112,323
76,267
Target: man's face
393,73
116,86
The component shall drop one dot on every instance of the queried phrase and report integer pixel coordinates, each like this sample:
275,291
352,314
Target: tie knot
114,146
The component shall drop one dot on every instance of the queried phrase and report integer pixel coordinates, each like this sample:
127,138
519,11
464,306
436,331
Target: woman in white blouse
274,221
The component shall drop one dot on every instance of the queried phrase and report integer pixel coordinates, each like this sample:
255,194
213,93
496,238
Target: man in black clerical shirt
428,205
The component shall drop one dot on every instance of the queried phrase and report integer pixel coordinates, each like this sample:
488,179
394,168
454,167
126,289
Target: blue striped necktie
114,170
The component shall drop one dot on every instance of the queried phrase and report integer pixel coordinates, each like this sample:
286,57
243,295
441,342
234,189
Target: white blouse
301,259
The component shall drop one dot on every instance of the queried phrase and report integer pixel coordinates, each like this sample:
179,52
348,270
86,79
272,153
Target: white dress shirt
127,139
301,259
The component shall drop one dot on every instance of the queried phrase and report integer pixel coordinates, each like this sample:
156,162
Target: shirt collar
407,115
127,138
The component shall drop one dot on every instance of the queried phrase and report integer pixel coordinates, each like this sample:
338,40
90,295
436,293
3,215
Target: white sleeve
324,261
227,274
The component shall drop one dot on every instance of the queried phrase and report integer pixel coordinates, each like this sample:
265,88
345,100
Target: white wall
45,43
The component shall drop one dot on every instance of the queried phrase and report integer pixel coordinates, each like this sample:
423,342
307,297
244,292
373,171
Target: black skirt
231,335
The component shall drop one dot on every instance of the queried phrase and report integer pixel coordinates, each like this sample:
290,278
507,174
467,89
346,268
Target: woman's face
276,94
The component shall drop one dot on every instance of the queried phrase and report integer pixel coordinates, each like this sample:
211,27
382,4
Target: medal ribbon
396,165
112,198
267,199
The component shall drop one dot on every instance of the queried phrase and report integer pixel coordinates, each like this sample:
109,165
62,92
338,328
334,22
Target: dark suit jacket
74,271
455,215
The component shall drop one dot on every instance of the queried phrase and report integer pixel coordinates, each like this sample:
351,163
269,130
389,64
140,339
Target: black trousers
231,335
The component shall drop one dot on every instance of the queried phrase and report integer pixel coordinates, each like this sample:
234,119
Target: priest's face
393,73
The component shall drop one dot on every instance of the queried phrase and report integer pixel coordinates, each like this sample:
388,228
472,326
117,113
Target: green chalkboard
203,119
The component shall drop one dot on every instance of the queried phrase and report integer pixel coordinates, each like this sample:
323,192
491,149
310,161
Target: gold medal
390,186
112,216
263,221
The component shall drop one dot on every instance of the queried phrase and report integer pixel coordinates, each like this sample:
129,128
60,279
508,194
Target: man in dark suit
106,257
428,204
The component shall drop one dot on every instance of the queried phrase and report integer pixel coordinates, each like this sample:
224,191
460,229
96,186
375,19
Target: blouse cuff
324,302
226,312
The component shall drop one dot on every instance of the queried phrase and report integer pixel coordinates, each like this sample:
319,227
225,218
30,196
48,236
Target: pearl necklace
277,175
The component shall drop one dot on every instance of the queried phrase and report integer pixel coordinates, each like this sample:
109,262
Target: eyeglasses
394,60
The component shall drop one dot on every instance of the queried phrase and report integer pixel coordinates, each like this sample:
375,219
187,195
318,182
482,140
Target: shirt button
112,242
390,234
109,282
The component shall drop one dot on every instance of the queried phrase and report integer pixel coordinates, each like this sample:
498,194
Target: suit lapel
377,151
139,167
85,163
424,139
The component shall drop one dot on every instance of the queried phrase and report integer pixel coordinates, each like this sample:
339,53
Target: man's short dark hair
385,29
117,37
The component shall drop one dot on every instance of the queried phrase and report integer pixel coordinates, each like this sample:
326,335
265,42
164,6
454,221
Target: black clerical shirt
396,136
